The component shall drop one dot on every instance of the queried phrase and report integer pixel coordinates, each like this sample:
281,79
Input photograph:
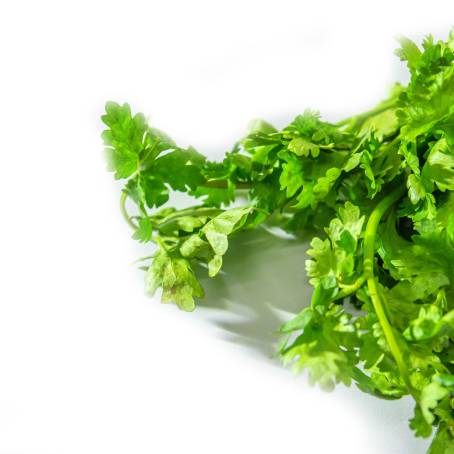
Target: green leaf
427,325
383,125
439,166
332,260
124,139
192,246
177,280
218,229
181,169
260,126
291,177
447,381
190,223
325,348
409,52
443,442
431,395
325,367
322,266
416,190
144,230
214,265
303,147
299,322
419,424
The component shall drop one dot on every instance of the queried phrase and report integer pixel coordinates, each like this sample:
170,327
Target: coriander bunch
375,191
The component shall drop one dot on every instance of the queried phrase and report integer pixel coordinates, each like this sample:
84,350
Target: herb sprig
377,190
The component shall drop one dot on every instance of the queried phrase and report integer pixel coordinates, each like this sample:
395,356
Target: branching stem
358,120
222,184
369,253
350,289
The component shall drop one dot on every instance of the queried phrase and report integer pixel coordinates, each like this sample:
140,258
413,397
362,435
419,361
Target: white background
88,363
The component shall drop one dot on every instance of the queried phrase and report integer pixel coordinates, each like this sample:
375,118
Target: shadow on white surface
262,284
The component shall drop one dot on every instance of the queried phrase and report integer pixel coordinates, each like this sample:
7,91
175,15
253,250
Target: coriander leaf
303,147
177,280
144,230
430,396
124,139
218,229
443,442
439,166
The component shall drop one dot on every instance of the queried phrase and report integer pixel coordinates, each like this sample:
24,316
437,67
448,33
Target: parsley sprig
375,190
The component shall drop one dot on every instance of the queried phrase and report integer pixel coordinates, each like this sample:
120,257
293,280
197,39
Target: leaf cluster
376,190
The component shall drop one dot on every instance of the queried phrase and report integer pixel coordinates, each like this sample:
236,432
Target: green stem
350,289
357,120
188,212
222,184
372,284
124,211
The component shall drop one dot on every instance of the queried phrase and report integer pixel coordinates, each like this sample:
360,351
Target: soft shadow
262,283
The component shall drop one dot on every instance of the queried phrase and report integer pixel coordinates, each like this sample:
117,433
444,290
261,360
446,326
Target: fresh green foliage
377,192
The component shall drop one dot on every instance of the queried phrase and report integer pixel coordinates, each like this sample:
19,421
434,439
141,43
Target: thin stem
143,259
222,184
350,289
188,212
361,118
161,243
124,211
369,253
372,226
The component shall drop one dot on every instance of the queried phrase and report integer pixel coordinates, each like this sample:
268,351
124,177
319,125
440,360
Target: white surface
87,362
